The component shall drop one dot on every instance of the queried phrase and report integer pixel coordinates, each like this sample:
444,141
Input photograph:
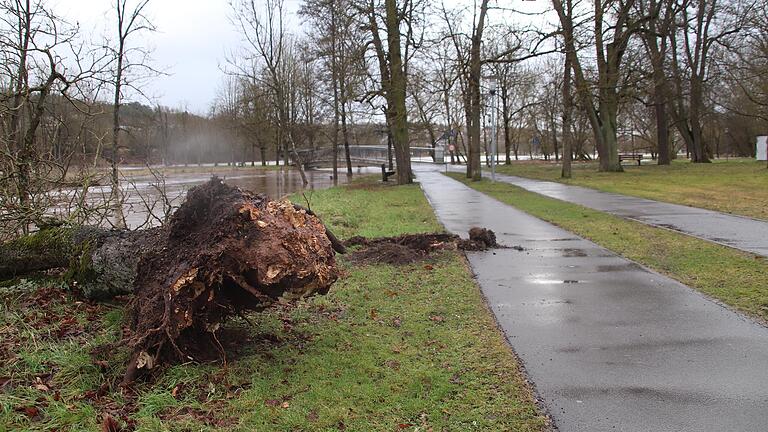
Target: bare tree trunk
345,134
398,120
299,163
506,119
609,158
698,150
475,70
336,110
567,111
662,123
116,195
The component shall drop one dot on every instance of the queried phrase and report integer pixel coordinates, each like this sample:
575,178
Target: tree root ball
224,250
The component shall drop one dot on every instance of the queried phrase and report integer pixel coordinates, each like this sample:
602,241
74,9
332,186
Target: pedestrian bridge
364,155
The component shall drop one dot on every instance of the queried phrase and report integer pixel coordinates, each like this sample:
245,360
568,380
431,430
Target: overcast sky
193,40
191,44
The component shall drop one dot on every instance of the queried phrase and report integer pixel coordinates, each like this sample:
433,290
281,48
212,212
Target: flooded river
147,199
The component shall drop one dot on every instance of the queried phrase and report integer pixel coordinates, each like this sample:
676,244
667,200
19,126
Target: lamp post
492,91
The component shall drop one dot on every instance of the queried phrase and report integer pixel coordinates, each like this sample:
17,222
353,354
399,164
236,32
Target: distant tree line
576,80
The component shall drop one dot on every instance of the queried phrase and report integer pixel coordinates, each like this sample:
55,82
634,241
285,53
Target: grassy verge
737,186
736,278
389,348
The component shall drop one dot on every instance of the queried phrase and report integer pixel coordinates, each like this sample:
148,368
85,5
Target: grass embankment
737,186
389,348
736,278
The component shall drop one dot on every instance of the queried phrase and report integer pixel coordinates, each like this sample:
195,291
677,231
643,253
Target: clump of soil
409,248
480,239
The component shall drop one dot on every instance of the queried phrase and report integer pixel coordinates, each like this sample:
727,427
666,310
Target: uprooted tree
223,251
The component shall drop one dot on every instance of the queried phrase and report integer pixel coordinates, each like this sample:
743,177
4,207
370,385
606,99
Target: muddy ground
409,248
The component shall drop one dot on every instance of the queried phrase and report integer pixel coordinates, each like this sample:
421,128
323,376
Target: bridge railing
368,154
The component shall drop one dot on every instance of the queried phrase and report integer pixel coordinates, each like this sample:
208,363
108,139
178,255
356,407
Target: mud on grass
409,248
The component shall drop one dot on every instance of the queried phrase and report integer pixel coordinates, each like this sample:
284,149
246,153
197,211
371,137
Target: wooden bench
385,174
636,157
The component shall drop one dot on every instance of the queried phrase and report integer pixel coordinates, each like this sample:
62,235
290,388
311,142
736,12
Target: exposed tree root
224,251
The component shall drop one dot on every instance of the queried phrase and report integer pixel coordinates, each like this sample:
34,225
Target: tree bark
345,133
567,111
475,74
396,108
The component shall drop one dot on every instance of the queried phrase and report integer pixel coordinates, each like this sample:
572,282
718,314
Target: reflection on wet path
608,344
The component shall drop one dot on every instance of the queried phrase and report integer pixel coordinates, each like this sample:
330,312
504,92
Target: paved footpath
609,345
738,232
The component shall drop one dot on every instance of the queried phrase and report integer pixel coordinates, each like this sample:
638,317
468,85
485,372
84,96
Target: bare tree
339,41
610,43
392,75
704,25
656,36
270,46
43,70
130,20
473,88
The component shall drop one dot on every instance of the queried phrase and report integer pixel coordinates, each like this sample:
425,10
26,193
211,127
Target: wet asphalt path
609,345
738,232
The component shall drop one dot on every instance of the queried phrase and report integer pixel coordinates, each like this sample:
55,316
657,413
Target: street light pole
492,87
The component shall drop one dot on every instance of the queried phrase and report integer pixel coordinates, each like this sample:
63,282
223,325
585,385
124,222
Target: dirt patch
409,248
386,253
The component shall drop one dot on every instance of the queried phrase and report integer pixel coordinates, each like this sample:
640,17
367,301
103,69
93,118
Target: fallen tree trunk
223,251
100,263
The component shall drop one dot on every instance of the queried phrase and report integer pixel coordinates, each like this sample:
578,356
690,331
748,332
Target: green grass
733,277
389,348
738,186
372,209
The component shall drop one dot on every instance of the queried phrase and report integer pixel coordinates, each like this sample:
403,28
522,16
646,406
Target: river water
147,199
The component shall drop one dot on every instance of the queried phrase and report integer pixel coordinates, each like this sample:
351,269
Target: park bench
636,157
385,174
